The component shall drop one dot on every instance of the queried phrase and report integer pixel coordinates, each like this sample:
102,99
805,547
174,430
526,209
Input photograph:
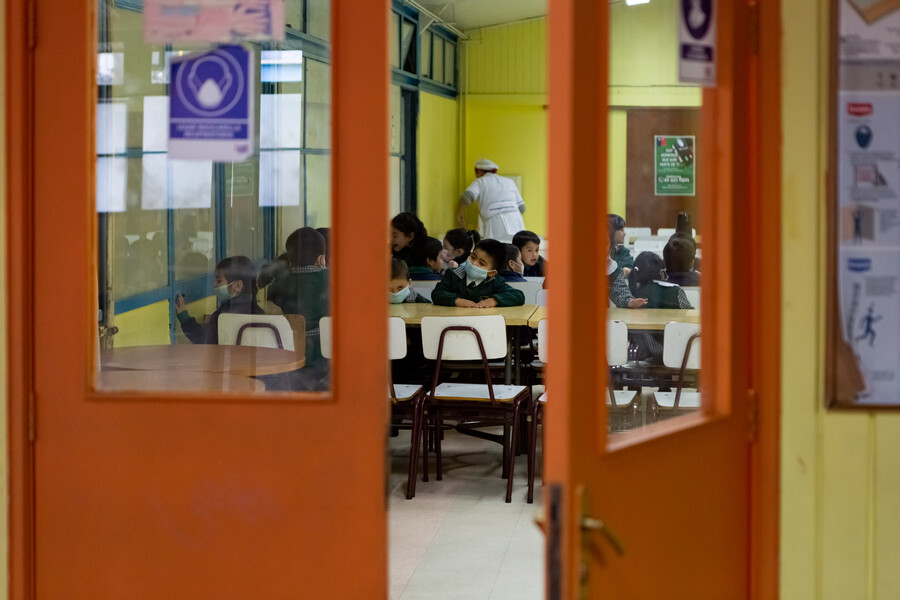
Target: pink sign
221,21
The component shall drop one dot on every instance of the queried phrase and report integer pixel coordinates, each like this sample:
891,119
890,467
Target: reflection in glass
184,242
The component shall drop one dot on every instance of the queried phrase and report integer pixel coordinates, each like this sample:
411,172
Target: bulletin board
863,342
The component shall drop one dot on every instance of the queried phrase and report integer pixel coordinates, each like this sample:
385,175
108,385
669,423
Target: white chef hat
484,164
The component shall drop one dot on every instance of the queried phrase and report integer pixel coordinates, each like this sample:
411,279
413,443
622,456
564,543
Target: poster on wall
864,295
674,171
223,21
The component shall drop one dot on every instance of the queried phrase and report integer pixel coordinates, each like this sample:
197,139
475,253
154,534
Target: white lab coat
498,202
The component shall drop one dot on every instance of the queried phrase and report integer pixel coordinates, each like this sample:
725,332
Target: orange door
690,502
184,496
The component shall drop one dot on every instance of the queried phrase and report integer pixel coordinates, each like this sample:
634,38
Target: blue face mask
474,272
222,293
399,297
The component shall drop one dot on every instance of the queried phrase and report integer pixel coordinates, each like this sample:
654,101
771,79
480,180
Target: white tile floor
457,539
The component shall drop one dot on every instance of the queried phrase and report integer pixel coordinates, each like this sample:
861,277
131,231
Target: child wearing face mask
235,287
513,267
475,284
400,288
303,290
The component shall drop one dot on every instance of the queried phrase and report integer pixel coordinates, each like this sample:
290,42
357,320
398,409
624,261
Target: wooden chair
479,338
407,401
681,350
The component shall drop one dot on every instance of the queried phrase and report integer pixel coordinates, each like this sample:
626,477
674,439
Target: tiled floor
457,539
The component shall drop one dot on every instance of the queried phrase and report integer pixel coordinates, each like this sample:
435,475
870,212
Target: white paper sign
697,42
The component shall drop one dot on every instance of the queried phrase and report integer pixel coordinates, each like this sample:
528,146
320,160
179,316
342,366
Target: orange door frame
50,107
751,90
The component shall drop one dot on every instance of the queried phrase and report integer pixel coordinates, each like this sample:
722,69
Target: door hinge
753,24
31,417
752,416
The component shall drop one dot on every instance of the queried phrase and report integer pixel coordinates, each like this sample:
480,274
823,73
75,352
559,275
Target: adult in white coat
499,202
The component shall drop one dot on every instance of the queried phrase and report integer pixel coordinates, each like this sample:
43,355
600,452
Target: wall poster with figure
673,165
863,344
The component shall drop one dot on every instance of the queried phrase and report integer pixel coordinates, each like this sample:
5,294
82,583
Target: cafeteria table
175,381
646,319
240,361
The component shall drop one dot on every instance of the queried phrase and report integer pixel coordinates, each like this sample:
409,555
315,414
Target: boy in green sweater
475,283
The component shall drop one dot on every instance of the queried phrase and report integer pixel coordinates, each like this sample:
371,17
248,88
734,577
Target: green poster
673,165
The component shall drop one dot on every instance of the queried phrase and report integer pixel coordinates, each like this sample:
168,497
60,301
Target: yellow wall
840,517
438,162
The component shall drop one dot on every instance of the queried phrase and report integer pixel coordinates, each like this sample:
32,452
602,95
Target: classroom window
426,54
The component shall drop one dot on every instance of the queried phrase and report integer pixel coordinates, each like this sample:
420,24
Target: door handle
589,524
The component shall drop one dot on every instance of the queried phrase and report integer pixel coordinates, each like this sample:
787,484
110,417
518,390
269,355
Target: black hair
683,224
409,224
399,269
679,253
304,247
496,250
460,239
239,268
615,224
429,249
647,266
512,253
326,233
525,236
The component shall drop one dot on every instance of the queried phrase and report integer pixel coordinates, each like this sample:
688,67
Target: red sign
859,109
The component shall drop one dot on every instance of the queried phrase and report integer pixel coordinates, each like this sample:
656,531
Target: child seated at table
647,280
407,232
513,268
679,254
475,284
400,288
458,244
618,251
619,293
235,288
304,289
426,260
529,244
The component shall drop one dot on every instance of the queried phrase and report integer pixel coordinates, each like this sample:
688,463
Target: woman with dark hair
618,251
235,288
406,231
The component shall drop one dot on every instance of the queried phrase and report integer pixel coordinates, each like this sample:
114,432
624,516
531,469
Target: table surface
241,361
175,381
637,318
412,313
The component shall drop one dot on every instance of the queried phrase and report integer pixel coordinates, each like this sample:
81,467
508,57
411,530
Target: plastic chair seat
474,392
666,400
406,392
625,397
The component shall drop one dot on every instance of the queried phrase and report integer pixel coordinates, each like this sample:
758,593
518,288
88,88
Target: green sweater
623,257
454,285
304,291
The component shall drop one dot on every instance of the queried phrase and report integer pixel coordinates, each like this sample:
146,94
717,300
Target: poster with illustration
674,171
864,317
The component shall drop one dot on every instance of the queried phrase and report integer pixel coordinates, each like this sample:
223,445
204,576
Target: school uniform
659,294
500,204
623,257
423,274
619,292
304,291
455,284
415,298
511,276
537,269
684,278
208,333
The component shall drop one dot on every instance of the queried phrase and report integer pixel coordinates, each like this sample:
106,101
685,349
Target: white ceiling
472,14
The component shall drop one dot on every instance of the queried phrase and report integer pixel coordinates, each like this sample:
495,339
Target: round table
241,361
175,381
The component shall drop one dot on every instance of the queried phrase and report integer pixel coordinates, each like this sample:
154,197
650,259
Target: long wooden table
652,319
175,381
241,361
412,313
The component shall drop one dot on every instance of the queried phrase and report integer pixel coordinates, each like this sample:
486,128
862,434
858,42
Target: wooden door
185,496
691,500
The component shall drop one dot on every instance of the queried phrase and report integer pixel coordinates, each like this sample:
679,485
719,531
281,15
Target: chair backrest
325,336
463,345
538,279
543,341
675,341
541,298
693,295
637,232
648,246
424,288
396,338
667,232
616,343
261,331
543,249
529,288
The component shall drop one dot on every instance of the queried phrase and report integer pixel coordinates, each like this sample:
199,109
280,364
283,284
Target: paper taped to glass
222,21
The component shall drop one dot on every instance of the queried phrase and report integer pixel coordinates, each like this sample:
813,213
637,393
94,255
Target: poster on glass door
222,21
865,217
